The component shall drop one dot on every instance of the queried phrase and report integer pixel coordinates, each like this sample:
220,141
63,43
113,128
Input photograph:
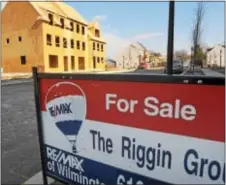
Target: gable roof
210,49
93,37
94,24
141,45
59,8
70,12
138,45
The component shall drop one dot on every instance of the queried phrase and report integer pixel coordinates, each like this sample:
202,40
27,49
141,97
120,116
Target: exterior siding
215,57
14,25
130,57
62,52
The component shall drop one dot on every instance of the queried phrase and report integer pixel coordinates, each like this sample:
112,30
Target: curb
37,179
214,73
186,71
110,72
15,77
14,83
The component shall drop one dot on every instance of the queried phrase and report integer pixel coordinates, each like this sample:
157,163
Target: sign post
40,127
96,129
170,46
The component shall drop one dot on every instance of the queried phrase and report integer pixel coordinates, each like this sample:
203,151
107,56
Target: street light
170,38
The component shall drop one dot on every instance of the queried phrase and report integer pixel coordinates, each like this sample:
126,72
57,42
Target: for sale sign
121,132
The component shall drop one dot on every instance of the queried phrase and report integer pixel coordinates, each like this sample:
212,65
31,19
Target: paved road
20,149
150,71
222,71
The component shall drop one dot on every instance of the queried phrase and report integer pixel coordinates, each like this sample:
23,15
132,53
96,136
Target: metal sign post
170,46
39,118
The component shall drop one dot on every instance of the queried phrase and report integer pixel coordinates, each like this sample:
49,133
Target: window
77,28
50,19
97,33
72,26
72,43
102,47
23,60
98,59
94,62
72,62
53,61
49,40
98,47
62,22
84,46
65,42
57,40
78,44
94,46
7,41
19,38
83,30
102,60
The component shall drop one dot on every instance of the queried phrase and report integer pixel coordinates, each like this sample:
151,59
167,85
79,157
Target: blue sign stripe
70,127
94,172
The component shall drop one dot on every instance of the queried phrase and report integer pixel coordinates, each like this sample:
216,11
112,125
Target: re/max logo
63,108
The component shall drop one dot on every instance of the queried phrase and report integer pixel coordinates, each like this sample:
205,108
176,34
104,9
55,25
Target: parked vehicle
143,65
177,67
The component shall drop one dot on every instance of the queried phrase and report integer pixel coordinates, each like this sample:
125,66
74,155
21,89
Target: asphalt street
20,149
222,71
149,71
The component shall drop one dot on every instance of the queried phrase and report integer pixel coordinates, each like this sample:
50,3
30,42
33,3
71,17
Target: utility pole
220,58
129,56
170,38
123,62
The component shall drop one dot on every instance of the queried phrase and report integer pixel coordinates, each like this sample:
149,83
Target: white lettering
108,101
166,110
188,112
148,104
122,105
153,107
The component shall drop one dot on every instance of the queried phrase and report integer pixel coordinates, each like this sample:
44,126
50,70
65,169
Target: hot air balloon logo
66,106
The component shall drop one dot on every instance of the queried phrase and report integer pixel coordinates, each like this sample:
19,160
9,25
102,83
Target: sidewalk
8,76
118,71
156,68
209,72
37,179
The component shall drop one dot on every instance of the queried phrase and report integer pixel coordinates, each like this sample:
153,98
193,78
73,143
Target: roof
138,45
111,61
70,12
94,24
210,49
93,37
59,8
141,45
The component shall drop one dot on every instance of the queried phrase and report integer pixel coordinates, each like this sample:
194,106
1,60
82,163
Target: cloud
143,36
99,18
116,43
108,28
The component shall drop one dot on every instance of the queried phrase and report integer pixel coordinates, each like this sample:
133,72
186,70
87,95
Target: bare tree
181,55
197,29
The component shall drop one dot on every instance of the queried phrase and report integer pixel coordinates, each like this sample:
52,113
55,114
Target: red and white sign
184,121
